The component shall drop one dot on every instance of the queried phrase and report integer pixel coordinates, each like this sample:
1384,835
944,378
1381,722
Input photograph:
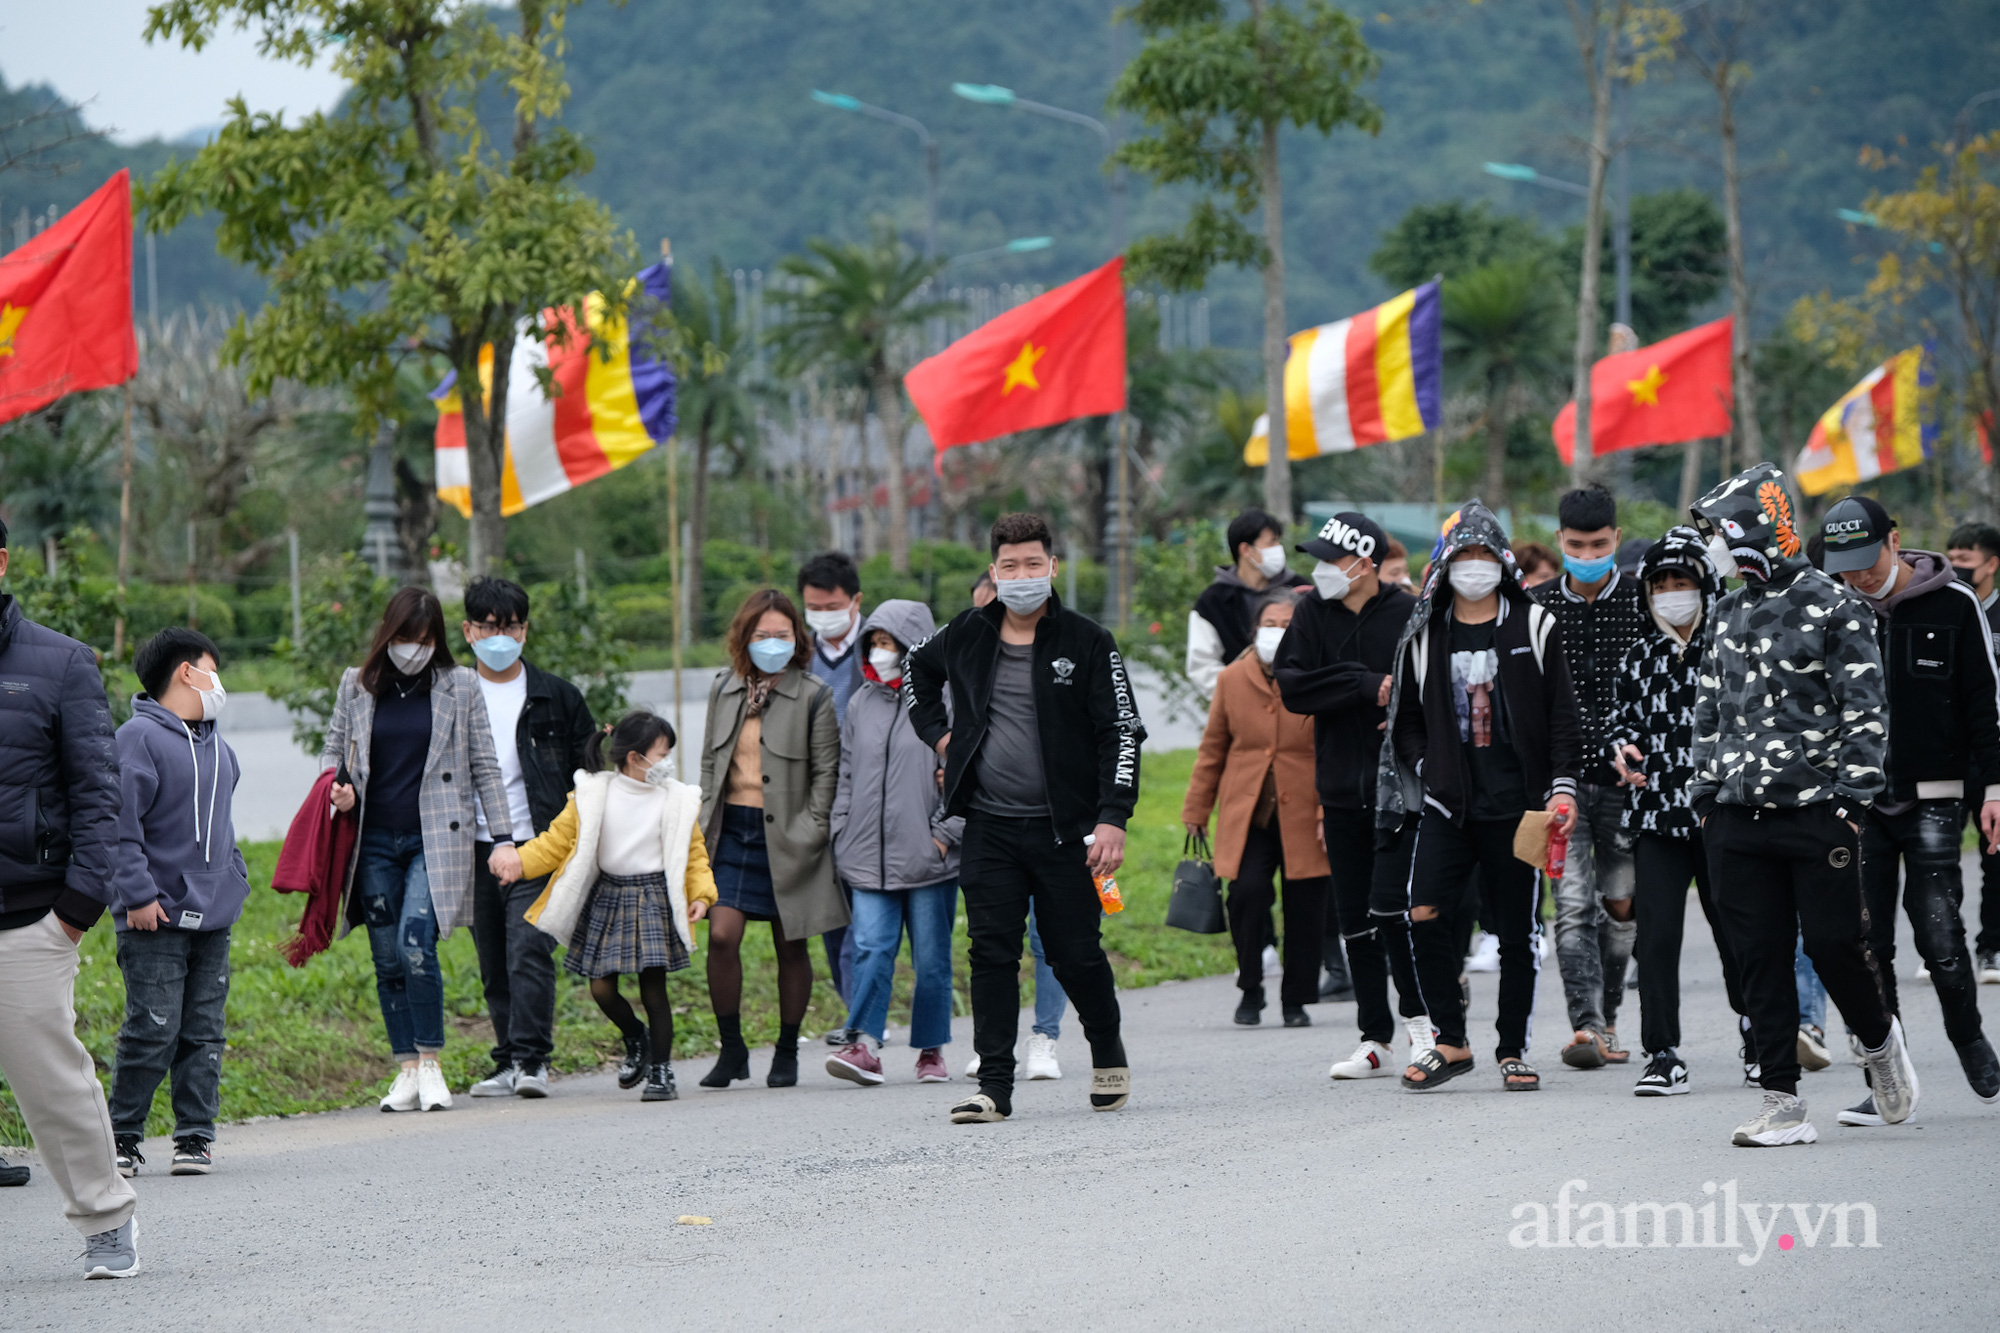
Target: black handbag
1196,904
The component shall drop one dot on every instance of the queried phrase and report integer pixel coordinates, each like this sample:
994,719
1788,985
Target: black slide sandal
1521,1069
1436,1070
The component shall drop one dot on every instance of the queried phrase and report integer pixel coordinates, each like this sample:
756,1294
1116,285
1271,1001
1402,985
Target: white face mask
1888,584
1678,608
1332,581
888,663
1271,560
1022,596
410,658
830,624
1718,555
1474,579
212,699
662,773
1268,638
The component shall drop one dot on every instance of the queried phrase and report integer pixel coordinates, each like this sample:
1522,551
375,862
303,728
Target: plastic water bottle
1558,853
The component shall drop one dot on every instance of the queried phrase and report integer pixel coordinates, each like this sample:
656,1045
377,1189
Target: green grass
310,1039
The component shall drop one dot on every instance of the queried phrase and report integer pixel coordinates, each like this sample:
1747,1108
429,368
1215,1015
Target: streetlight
1019,246
1621,234
842,102
992,94
1962,124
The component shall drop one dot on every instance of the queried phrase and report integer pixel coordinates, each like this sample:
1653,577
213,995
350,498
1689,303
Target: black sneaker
1297,1017
1982,1068
1249,1013
660,1085
632,1070
1666,1076
191,1157
130,1159
11,1174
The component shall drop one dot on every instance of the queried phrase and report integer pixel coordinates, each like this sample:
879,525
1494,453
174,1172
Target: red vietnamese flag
1060,356
1668,393
66,305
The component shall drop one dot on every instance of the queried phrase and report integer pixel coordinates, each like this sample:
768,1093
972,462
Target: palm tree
853,313
720,393
1503,324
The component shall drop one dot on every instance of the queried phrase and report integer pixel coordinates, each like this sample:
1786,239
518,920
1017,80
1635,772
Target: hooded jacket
1423,760
176,840
1330,666
1654,693
1085,712
1944,689
1792,701
888,811
1223,623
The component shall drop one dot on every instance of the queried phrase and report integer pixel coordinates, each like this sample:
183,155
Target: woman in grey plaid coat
409,730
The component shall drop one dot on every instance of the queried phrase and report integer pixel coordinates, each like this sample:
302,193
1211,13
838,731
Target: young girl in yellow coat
629,877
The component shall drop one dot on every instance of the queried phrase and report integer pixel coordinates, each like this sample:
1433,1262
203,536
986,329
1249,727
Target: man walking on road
540,728
1224,617
1943,759
59,775
1789,746
830,590
1043,761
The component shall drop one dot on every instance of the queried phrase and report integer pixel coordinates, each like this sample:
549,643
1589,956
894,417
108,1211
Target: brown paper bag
1531,839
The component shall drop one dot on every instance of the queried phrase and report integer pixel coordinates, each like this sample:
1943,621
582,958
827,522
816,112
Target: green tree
1503,326
855,311
1679,250
396,222
1452,238
60,599
343,600
1214,91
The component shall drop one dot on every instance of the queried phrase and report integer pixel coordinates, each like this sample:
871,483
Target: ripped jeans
1924,839
176,987
395,896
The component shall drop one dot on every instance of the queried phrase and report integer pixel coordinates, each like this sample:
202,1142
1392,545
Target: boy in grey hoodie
180,883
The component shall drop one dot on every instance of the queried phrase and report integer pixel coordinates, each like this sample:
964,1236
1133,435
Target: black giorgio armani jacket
1085,712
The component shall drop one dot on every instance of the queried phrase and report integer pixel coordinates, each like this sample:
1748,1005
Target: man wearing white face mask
1224,618
181,884
830,592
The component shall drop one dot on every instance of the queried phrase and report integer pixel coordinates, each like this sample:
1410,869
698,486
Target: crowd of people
1387,764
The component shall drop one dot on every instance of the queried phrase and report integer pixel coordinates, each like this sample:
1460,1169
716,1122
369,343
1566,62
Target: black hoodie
1944,690
1330,666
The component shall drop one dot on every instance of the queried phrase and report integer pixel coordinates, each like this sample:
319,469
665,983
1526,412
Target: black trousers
1923,843
1251,894
517,966
1005,864
1445,854
1663,867
1989,895
1378,946
1780,875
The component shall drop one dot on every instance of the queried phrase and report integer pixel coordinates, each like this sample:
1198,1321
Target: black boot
733,1063
1248,1013
785,1058
660,1084
633,1069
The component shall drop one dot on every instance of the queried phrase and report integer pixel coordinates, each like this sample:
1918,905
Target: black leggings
725,967
1663,866
652,994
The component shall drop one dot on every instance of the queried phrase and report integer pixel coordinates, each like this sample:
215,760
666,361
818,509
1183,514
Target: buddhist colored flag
615,402
1673,391
66,305
1366,380
1060,356
1881,425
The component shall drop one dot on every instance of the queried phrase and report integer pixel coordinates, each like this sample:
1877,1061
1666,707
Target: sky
92,52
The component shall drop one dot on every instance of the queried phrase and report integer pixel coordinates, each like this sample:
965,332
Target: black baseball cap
1344,535
1854,530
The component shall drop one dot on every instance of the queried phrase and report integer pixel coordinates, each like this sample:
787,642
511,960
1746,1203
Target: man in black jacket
1974,552
1484,727
59,797
1333,665
1043,762
1944,732
540,728
1224,619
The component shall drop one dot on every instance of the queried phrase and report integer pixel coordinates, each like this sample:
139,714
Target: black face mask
1965,576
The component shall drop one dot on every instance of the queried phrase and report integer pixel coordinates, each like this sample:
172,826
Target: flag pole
1124,527
674,535
124,531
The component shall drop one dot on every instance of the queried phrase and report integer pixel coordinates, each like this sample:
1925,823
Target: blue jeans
876,931
1050,1001
402,934
1812,994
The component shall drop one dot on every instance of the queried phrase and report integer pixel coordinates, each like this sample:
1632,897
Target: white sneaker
1485,955
1892,1078
1370,1060
500,1083
1779,1122
1041,1060
403,1092
1923,971
1271,963
432,1091
1422,1036
972,1067
531,1081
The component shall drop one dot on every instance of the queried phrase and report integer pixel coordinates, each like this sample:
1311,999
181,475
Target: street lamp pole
992,94
1621,238
842,102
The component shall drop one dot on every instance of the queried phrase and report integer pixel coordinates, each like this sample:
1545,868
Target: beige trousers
54,1078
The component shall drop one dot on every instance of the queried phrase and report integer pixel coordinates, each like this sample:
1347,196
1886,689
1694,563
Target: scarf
757,693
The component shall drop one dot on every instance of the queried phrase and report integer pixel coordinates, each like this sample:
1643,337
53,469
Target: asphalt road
1240,1190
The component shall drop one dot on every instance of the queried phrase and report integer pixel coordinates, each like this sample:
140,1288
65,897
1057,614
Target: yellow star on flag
1647,390
1022,369
10,319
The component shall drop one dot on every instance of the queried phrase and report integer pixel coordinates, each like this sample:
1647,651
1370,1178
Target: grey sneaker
1864,1114
113,1253
1989,968
531,1080
1782,1120
1892,1078
504,1081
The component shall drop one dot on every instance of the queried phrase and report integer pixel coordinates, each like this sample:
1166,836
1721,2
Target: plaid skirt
627,926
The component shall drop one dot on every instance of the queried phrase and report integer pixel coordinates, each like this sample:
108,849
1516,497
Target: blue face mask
771,656
497,652
1589,571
